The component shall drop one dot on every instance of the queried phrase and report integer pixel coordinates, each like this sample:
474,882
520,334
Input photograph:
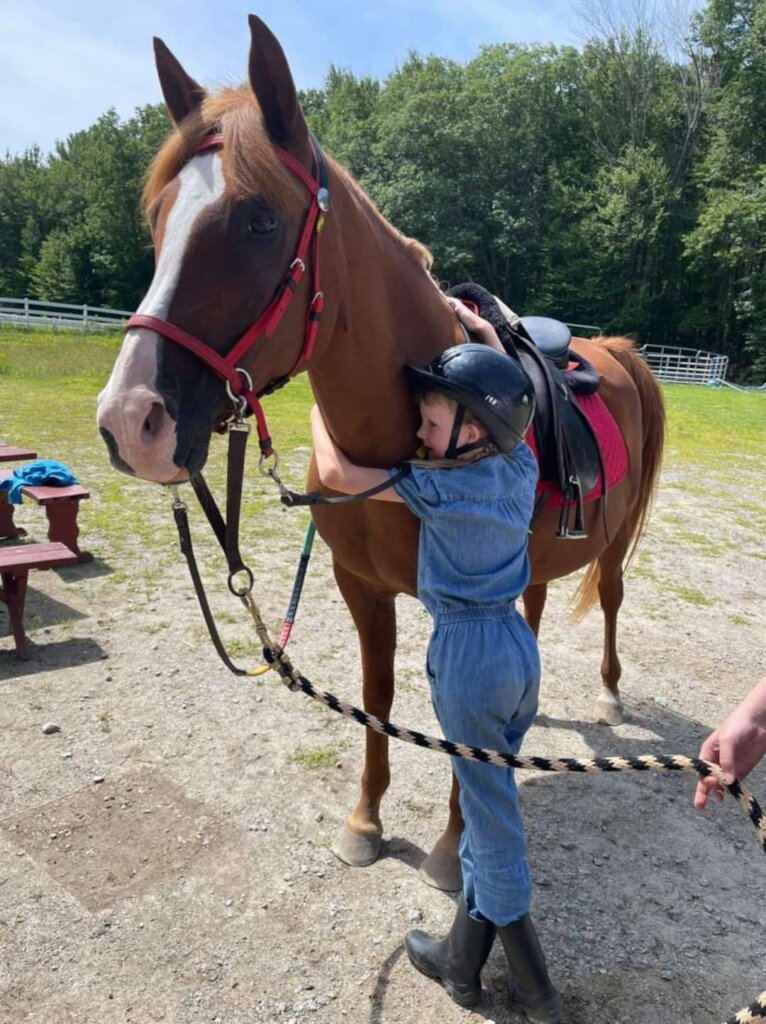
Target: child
476,405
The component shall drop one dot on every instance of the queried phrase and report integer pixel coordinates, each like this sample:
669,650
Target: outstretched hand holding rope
737,745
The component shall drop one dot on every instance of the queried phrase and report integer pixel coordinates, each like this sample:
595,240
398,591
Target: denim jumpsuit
483,663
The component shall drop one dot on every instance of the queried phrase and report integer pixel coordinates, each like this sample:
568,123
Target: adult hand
737,745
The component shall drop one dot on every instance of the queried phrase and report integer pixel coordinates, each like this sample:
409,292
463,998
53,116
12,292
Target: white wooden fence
681,365
685,365
31,313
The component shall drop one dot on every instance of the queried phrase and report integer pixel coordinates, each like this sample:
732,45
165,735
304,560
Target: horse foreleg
609,707
374,615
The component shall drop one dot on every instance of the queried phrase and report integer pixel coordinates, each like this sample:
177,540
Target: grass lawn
708,426
49,381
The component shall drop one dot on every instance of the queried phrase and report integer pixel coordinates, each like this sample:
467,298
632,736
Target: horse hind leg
609,707
441,868
534,598
359,839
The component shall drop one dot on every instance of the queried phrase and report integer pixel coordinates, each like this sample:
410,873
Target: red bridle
238,382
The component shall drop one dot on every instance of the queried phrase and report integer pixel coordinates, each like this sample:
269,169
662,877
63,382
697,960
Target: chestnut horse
226,198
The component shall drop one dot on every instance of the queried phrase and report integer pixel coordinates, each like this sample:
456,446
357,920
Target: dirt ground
166,856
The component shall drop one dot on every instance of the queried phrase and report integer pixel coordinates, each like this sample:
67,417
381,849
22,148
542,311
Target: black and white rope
293,679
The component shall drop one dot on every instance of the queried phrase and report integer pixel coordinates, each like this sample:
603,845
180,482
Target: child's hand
477,325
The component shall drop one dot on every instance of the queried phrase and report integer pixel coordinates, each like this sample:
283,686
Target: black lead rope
295,499
184,534
278,660
226,531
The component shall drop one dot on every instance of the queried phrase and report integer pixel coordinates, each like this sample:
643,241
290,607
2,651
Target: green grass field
49,381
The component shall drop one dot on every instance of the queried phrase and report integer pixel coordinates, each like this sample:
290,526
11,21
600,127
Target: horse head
231,199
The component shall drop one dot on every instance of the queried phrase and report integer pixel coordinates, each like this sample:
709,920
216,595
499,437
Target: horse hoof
609,713
356,849
442,871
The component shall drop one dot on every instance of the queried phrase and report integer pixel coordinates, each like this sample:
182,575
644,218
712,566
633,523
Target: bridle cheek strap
225,367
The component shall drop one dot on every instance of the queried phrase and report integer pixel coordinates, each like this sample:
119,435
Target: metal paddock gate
685,365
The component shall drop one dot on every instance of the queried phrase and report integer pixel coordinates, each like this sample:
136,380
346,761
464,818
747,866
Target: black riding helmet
494,387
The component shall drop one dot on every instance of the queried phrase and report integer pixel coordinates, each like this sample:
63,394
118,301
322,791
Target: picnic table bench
15,563
10,453
61,505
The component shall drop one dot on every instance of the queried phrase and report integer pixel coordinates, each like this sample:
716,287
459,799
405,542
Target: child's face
437,415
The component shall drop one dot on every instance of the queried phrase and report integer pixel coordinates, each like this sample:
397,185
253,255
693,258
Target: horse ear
182,94
272,83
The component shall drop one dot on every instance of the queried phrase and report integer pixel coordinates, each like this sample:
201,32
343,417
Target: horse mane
417,252
251,167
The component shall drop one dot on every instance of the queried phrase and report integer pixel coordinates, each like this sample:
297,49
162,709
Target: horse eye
262,224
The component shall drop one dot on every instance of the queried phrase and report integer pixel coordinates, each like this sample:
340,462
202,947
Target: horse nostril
114,455
153,421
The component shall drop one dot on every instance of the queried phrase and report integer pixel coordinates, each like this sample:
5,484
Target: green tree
342,116
22,223
58,272
725,248
92,193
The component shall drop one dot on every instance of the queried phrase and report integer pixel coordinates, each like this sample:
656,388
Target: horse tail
652,441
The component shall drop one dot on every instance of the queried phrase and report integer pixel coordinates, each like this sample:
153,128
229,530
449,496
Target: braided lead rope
294,681
751,1014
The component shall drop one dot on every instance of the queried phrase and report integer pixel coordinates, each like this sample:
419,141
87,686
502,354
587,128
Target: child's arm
340,474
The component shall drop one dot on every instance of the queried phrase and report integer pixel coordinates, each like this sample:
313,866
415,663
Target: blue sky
64,64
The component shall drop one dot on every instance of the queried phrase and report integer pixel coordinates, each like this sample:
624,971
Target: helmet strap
453,451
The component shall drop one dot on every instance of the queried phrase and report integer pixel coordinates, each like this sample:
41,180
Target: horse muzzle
140,434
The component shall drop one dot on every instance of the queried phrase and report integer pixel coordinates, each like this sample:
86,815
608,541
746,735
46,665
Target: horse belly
375,541
552,557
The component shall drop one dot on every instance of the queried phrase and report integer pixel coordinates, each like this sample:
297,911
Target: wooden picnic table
61,503
11,453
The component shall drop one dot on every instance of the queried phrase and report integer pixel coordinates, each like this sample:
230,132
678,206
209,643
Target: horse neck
384,312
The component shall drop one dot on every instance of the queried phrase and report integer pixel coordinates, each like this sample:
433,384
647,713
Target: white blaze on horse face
130,407
200,185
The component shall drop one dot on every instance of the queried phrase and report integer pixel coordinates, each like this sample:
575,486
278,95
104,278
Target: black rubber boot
456,960
529,986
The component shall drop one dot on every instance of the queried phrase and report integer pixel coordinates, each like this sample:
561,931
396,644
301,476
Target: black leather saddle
567,448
